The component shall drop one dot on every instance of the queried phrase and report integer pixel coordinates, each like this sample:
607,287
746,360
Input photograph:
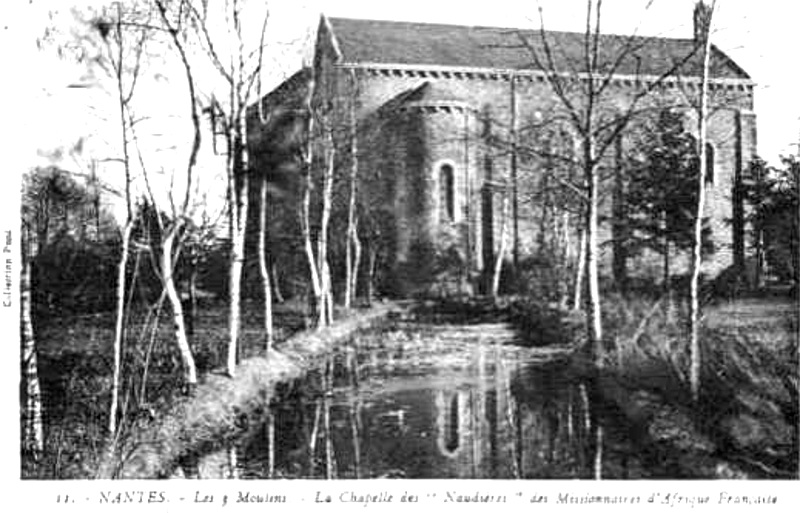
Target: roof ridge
501,28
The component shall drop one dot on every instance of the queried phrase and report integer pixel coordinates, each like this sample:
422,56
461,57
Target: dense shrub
74,276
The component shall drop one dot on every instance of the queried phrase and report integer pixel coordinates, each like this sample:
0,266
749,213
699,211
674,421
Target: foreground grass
75,365
748,410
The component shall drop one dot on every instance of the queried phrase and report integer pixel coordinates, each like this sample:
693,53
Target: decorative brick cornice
435,106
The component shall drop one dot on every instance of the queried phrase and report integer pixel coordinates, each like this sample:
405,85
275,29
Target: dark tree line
75,241
772,195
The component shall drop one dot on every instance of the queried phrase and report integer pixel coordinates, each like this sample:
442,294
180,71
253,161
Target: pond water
432,401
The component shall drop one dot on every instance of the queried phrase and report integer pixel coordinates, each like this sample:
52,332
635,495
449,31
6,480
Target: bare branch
207,42
192,101
145,173
631,109
551,73
259,66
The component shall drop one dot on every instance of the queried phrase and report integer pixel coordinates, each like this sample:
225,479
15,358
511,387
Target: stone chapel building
448,119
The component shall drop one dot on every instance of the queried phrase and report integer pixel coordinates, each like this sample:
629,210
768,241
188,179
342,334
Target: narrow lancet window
447,190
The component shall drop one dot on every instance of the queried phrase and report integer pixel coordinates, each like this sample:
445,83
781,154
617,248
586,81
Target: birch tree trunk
238,174
501,253
32,424
171,236
351,270
325,309
237,216
666,266
373,261
564,254
328,294
123,100
577,296
276,283
352,248
356,260
305,204
694,285
168,245
192,285
305,221
594,320
263,266
119,327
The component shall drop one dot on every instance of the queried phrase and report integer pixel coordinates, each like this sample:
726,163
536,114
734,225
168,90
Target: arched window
447,199
709,164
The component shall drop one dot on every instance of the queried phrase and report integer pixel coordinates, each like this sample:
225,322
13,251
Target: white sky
760,37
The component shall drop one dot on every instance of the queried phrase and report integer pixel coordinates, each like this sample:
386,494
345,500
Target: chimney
702,22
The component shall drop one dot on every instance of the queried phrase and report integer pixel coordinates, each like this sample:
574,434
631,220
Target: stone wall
401,151
490,100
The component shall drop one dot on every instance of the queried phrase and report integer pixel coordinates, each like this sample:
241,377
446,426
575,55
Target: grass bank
746,421
75,369
223,407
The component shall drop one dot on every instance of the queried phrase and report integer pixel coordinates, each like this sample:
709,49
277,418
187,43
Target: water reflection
430,402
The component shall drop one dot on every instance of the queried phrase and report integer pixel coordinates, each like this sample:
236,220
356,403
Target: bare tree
238,179
319,153
123,35
306,186
218,30
263,265
326,316
115,43
587,102
697,243
174,229
32,424
501,253
353,245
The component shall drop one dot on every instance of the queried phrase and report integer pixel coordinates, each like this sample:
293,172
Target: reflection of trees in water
354,403
511,414
336,429
285,442
270,427
477,424
497,418
449,439
555,424
330,459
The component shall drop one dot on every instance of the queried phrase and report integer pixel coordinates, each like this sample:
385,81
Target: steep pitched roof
407,43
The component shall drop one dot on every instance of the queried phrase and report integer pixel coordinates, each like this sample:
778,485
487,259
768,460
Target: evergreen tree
661,191
773,195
